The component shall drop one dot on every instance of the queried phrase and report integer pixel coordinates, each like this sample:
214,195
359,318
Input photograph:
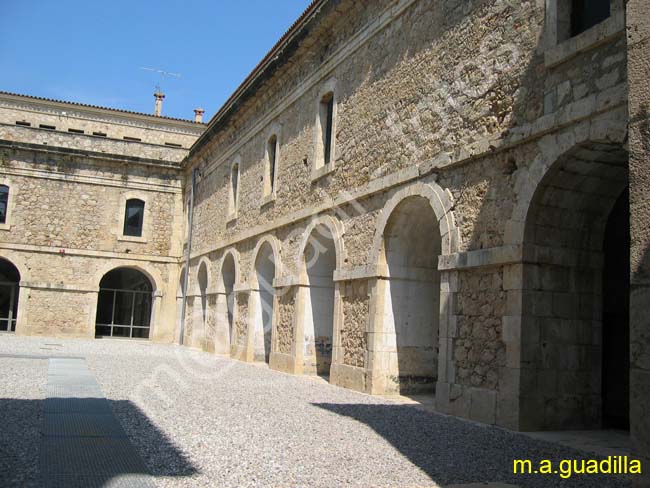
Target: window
576,16
133,217
234,188
100,134
23,123
326,116
48,127
76,131
271,162
173,144
587,13
4,202
134,139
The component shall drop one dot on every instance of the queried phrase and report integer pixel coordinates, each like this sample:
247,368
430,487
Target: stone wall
465,104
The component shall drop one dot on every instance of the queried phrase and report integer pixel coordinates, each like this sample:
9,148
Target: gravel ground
22,389
201,420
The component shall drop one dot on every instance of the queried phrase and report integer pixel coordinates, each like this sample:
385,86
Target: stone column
638,37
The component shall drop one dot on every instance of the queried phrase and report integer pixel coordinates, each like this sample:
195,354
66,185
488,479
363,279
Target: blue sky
92,51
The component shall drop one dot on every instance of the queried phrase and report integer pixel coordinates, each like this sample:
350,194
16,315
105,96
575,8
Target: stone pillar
638,38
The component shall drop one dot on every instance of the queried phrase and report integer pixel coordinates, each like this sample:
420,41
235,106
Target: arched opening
179,301
575,328
225,331
320,263
9,290
411,292
124,304
202,279
262,298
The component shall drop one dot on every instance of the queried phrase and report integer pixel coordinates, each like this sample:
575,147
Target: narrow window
133,217
48,127
172,144
76,131
134,139
100,134
23,123
234,187
271,154
326,114
4,201
576,16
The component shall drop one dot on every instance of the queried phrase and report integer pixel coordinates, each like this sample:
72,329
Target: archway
202,281
9,291
262,302
225,327
320,263
124,304
575,329
411,293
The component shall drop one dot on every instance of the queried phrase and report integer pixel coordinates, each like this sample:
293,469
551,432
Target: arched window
576,16
234,188
4,202
133,217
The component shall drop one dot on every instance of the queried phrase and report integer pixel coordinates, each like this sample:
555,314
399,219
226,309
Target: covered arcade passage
576,281
320,263
124,304
9,289
410,289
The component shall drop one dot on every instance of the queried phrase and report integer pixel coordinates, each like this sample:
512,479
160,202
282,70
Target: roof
77,104
264,69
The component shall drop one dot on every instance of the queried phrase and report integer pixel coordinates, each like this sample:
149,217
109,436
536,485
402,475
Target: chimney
198,114
159,99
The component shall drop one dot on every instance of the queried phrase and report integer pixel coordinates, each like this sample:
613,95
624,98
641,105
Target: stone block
483,405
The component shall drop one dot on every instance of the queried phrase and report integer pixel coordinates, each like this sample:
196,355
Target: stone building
407,196
70,173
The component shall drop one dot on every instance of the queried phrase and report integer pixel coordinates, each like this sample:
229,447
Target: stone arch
10,303
149,271
200,329
566,330
441,202
227,278
336,230
318,330
265,267
414,228
125,303
17,260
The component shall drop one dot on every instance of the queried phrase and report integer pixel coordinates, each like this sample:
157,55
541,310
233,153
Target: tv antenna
163,74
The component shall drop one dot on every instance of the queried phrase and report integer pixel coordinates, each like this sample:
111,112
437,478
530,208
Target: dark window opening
100,134
4,202
135,139
587,13
134,217
172,144
48,127
326,122
76,131
234,184
124,304
23,123
272,151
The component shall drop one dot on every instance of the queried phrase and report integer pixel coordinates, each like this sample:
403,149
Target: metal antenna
163,74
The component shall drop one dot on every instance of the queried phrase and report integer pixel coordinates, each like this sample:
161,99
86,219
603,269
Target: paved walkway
82,443
136,413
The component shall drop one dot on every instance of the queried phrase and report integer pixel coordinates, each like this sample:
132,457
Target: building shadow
454,451
85,442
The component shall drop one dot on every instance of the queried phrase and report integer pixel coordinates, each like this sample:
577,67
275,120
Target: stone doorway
9,291
124,304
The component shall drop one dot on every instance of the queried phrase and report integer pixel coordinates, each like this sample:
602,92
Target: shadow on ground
83,442
453,451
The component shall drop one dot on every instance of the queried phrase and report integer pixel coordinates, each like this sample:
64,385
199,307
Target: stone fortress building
403,196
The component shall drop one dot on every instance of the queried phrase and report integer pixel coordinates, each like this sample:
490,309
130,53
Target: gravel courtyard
201,420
